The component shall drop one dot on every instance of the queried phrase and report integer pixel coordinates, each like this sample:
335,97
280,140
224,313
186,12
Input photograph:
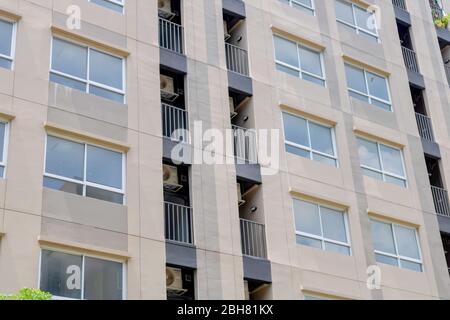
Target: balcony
441,201
237,59
437,13
399,4
171,46
178,223
175,119
253,239
245,145
414,76
409,56
425,127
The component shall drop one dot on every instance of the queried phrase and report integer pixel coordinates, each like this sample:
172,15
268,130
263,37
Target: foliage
27,294
443,21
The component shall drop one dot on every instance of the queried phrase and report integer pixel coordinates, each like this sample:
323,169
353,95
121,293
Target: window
382,162
7,43
321,227
306,6
84,169
396,245
360,20
73,276
309,139
368,87
298,61
4,135
116,5
86,69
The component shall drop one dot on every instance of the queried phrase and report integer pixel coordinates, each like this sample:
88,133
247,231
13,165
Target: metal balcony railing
245,145
425,127
399,4
237,59
173,119
253,239
178,223
447,73
441,203
410,59
170,36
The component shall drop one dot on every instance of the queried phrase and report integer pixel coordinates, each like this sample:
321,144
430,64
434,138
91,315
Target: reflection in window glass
321,227
309,139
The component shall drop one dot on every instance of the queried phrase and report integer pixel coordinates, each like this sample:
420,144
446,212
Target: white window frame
13,42
368,94
87,81
322,239
397,256
382,171
4,161
357,28
312,8
299,69
76,253
84,183
310,150
118,2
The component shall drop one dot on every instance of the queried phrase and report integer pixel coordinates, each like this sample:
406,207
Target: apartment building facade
95,96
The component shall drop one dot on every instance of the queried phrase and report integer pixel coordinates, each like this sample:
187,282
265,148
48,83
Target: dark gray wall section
181,255
234,7
173,61
240,84
402,16
249,173
257,269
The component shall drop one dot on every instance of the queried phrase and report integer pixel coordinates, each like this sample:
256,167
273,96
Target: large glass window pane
295,129
286,51
392,160
69,58
406,242
368,154
310,61
333,224
355,79
325,160
2,140
102,279
5,63
397,181
365,19
6,33
383,238
321,138
377,86
65,158
104,167
344,12
61,274
307,217
106,69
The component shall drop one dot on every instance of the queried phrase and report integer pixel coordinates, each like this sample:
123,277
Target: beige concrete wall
28,212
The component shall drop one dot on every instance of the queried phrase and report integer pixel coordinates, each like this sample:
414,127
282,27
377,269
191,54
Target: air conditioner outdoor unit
225,30
170,178
165,9
167,88
233,112
174,281
241,201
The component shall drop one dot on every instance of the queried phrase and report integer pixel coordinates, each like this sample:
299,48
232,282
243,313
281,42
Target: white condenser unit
170,178
174,281
167,88
241,201
165,9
